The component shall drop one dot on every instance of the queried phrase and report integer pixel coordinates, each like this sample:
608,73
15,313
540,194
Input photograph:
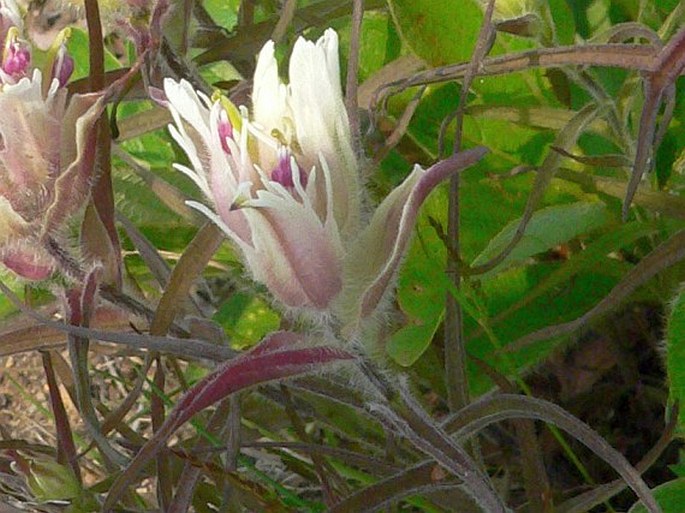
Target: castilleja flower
45,161
284,185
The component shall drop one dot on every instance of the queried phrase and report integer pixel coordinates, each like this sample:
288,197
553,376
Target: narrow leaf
664,256
480,414
189,266
546,229
566,139
242,372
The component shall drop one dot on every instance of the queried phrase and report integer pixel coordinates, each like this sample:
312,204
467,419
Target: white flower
285,185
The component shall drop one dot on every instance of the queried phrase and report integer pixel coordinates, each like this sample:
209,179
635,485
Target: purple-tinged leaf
671,60
26,338
659,85
422,478
271,344
66,450
95,44
220,424
602,493
22,333
405,219
80,305
251,369
372,262
89,296
23,264
275,360
165,485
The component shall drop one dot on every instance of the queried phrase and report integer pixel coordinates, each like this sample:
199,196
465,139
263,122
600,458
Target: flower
44,173
284,184
45,156
16,55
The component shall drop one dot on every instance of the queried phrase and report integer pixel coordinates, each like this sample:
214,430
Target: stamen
279,136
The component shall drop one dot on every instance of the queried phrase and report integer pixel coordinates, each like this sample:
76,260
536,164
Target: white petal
211,215
199,179
179,134
268,92
315,80
184,99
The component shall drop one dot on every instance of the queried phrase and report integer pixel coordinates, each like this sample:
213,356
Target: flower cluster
284,185
45,161
282,177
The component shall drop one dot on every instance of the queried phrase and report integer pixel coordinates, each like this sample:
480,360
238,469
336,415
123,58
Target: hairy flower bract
284,185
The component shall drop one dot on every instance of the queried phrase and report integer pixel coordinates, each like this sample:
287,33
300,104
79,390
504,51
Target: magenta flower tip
63,67
17,59
225,130
284,172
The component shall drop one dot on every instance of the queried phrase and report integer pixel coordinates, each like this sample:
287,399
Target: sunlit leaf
439,31
547,228
246,319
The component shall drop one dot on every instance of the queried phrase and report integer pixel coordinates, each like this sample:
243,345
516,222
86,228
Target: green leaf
670,496
407,344
422,284
439,31
246,319
482,185
220,71
675,352
79,50
560,304
547,228
223,12
591,258
421,287
49,480
379,42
